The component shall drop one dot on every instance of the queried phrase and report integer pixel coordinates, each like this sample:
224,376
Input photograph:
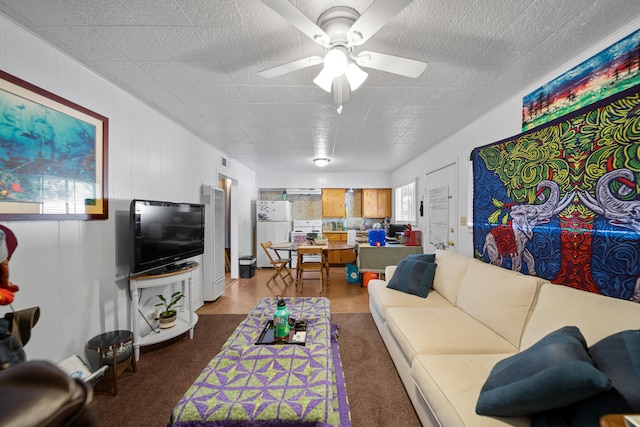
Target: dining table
326,249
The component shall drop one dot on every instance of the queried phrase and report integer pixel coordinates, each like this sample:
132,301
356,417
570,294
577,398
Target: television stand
187,318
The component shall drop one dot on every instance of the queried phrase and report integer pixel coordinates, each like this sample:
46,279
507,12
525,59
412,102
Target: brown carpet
165,372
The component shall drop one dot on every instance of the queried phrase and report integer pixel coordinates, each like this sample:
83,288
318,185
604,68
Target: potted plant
168,316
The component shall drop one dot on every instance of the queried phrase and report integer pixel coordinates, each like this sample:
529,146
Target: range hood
317,191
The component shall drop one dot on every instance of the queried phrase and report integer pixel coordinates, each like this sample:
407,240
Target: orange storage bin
368,276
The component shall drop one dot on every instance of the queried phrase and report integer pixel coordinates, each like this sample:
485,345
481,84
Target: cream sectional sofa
476,314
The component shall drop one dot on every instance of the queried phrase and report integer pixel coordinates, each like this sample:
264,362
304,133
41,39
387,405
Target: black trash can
247,266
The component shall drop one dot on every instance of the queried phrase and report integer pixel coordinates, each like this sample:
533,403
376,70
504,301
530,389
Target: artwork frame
53,156
608,72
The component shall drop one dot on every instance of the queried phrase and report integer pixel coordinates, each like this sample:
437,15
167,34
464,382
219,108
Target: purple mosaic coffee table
259,385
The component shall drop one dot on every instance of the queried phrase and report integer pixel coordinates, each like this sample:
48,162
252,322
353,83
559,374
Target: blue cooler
352,273
377,237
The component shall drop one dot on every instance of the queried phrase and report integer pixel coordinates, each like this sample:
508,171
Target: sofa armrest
388,272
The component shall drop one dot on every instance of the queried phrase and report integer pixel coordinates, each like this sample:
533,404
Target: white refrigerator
273,223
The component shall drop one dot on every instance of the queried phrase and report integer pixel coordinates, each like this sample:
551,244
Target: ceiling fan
339,30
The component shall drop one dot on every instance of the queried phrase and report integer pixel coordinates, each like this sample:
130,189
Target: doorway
230,186
441,208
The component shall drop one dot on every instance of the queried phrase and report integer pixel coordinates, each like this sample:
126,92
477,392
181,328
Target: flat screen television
162,234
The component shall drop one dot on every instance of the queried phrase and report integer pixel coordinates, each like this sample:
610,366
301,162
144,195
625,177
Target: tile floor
241,295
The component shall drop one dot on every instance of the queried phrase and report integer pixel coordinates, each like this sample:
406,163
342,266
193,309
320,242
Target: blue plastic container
377,237
353,276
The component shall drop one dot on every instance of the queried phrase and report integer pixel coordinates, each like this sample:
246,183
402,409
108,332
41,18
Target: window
405,202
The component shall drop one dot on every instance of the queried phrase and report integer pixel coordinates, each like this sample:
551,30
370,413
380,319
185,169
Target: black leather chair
38,393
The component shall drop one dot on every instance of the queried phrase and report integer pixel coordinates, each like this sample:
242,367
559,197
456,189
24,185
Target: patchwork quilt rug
268,385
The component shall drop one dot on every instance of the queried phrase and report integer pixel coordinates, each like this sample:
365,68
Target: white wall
499,123
76,271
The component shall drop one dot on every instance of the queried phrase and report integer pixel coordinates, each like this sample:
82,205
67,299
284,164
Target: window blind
405,203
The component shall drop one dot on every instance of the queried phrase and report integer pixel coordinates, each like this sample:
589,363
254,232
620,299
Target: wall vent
223,161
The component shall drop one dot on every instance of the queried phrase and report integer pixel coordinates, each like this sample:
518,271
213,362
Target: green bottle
281,320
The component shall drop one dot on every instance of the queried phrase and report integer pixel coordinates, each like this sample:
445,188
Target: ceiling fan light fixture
324,79
321,161
335,61
355,76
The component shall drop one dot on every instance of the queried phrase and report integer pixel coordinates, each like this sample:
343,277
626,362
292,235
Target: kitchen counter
363,233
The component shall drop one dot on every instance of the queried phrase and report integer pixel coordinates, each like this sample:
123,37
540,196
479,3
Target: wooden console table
187,318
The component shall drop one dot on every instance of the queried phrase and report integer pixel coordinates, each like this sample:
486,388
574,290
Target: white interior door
440,207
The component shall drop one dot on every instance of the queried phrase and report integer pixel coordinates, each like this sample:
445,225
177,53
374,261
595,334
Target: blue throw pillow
423,257
413,277
617,357
554,372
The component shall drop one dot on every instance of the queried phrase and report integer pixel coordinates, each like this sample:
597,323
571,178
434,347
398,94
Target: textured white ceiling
197,61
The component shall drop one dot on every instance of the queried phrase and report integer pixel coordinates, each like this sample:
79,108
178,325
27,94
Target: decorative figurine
8,244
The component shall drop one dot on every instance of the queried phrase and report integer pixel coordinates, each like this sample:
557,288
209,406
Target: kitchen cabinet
339,257
333,203
376,203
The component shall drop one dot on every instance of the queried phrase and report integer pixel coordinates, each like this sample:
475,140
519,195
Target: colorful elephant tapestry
562,201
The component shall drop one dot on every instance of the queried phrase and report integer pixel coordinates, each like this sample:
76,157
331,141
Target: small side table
118,343
615,420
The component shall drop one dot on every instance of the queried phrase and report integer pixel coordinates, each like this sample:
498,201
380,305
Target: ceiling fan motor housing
336,22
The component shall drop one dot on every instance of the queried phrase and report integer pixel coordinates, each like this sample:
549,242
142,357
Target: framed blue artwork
53,156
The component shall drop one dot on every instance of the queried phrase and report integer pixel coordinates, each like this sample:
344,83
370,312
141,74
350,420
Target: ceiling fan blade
391,64
375,17
299,20
290,66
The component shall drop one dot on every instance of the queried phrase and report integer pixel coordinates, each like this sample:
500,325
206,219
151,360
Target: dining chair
279,263
310,258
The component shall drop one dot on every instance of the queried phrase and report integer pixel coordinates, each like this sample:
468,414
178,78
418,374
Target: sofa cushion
413,276
381,297
449,274
499,298
451,384
441,330
554,372
617,357
595,315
